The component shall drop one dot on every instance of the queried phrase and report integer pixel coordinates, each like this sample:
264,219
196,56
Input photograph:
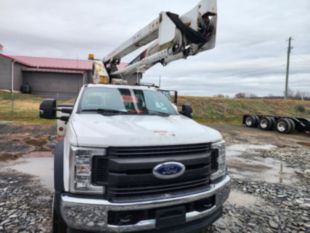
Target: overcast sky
250,54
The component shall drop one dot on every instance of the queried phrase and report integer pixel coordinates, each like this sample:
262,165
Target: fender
58,174
58,167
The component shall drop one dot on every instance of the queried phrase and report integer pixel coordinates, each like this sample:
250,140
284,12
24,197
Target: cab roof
123,86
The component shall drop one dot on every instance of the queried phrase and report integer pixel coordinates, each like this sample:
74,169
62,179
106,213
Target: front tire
59,226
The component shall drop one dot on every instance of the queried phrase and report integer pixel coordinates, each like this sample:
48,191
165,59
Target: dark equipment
283,124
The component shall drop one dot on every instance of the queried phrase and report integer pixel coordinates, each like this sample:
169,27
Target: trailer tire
284,126
251,121
273,120
266,123
293,125
257,120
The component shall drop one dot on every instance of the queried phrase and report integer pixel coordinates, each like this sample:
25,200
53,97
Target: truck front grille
128,171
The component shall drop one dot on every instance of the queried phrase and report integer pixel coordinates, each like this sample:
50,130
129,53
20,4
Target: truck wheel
257,120
293,125
251,121
266,123
59,225
283,126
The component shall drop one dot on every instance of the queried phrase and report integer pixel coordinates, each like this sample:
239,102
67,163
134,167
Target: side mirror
175,97
64,112
48,109
67,109
187,110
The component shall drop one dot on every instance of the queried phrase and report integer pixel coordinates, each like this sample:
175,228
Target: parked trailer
283,124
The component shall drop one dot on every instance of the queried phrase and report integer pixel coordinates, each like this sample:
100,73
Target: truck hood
95,130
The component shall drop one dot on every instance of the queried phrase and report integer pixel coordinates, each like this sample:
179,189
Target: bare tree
240,95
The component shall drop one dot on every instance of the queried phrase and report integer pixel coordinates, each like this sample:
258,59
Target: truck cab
130,162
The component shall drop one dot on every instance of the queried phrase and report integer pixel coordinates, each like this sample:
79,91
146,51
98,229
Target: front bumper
92,214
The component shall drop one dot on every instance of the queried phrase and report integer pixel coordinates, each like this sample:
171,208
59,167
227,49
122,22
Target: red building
48,77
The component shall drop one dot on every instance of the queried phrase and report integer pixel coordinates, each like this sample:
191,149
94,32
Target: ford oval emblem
169,170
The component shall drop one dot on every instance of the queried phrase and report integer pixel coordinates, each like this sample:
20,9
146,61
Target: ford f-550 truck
129,161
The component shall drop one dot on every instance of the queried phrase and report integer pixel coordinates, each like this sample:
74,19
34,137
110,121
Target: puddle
253,167
42,167
239,149
242,199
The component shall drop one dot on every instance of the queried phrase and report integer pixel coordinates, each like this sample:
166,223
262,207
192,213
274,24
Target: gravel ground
255,205
25,206
268,206
281,208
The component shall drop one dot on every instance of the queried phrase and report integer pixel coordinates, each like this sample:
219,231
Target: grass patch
8,156
36,142
23,108
225,110
304,143
206,109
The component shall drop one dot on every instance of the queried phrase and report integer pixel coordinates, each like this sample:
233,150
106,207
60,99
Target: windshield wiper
105,111
152,112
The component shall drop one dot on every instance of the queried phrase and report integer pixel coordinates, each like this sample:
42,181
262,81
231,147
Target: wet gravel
282,208
25,206
295,157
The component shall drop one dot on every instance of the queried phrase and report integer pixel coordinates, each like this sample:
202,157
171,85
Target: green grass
206,109
216,110
21,108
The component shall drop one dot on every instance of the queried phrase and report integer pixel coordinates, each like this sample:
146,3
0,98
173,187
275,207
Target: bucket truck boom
169,37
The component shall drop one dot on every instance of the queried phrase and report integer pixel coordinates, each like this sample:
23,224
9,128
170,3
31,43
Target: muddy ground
270,180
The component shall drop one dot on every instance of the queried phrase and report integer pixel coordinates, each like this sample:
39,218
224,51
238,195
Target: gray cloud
251,46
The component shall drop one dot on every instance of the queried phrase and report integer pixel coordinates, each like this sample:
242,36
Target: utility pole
289,49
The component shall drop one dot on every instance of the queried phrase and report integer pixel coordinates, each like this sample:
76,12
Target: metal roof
55,63
53,70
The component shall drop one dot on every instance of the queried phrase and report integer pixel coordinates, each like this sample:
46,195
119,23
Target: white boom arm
171,37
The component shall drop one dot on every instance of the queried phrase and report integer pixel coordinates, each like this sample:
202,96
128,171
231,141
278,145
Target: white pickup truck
129,162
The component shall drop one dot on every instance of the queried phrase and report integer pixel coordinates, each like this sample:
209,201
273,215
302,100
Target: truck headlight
218,160
80,170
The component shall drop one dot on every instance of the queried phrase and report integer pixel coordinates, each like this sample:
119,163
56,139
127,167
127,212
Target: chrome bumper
92,214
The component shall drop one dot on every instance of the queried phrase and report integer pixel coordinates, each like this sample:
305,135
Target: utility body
129,161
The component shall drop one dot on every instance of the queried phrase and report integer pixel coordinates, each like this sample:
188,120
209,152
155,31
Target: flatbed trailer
283,124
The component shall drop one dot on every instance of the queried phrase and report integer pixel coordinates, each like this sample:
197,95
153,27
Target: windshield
125,101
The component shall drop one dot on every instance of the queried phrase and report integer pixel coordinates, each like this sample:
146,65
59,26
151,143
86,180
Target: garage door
54,85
